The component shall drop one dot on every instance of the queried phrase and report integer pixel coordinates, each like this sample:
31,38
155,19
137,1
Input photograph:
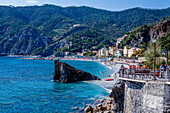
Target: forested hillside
47,29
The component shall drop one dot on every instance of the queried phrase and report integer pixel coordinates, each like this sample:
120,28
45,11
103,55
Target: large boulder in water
65,73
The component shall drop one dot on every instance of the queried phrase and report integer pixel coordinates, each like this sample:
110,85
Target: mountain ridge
57,24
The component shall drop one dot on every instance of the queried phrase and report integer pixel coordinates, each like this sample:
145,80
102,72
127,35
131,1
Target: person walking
162,68
122,70
133,70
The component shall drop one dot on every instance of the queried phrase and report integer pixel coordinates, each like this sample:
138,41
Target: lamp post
154,40
166,74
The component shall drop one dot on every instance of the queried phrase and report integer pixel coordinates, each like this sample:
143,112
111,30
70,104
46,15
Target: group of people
133,68
138,67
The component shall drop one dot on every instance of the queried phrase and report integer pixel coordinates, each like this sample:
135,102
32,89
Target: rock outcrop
65,73
118,95
160,30
144,34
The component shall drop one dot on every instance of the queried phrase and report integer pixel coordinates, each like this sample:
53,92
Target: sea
26,86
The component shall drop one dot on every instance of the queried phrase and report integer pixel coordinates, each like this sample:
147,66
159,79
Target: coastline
107,85
107,103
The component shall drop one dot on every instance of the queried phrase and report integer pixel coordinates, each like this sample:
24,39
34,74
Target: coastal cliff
65,73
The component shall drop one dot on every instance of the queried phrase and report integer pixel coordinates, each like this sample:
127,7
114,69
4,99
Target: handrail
149,73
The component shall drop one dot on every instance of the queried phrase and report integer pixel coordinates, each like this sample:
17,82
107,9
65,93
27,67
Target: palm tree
149,55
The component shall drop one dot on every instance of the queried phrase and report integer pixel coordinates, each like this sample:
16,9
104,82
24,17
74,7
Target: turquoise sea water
26,86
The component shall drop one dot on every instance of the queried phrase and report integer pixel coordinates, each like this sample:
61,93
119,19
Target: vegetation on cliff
142,35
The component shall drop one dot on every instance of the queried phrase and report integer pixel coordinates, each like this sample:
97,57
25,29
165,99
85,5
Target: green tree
64,49
149,55
163,18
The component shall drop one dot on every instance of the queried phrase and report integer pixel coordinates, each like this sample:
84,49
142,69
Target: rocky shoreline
113,104
104,105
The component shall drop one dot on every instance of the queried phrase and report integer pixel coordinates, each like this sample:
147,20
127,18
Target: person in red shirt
144,67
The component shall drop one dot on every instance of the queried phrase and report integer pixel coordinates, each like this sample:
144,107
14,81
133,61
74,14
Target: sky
112,5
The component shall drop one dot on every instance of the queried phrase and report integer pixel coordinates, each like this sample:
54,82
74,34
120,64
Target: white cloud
32,1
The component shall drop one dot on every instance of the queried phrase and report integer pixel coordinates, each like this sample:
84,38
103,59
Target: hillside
47,29
143,34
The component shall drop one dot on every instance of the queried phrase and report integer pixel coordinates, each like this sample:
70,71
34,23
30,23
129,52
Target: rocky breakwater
65,73
114,104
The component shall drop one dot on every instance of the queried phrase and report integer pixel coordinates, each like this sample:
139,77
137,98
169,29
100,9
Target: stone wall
149,97
167,98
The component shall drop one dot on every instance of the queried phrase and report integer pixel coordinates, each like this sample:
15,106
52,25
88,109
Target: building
102,52
107,52
112,50
118,53
76,25
132,51
66,53
120,39
79,54
126,50
129,50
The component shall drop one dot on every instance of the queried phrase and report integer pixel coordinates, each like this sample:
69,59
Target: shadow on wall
135,85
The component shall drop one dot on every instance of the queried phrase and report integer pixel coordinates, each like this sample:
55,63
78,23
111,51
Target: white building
102,52
129,50
126,50
132,51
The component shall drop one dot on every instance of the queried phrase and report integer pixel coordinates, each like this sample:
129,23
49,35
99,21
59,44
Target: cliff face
65,73
161,30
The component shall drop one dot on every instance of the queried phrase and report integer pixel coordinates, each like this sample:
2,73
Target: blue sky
114,5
